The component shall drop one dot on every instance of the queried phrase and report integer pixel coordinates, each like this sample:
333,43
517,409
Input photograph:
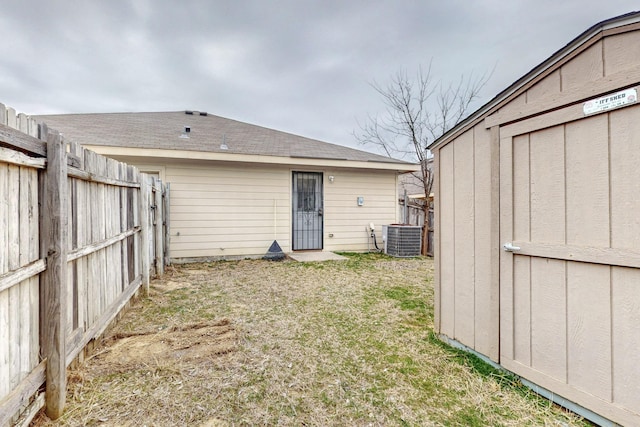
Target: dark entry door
307,211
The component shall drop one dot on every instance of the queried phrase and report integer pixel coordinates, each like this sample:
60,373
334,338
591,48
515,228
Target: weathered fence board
13,227
17,158
5,386
68,270
20,395
159,221
54,278
145,235
21,142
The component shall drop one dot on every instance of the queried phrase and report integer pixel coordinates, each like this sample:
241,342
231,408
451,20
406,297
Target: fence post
167,223
159,255
54,278
145,238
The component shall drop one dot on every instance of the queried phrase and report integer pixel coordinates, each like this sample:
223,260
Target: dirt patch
192,342
196,272
169,285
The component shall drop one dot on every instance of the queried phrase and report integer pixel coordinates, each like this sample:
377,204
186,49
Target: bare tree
418,111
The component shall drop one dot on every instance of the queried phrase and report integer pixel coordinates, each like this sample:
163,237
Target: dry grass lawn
344,343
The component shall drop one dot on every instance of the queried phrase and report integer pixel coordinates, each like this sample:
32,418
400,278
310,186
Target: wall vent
402,240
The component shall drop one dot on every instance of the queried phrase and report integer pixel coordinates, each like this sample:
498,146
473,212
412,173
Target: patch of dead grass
265,343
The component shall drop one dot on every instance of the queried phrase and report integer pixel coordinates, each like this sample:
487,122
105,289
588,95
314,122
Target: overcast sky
303,67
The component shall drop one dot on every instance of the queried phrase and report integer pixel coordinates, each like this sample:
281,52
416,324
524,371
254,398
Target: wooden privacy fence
79,235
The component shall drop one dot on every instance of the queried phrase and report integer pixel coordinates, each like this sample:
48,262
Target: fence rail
80,234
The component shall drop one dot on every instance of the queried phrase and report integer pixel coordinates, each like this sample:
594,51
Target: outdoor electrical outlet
330,234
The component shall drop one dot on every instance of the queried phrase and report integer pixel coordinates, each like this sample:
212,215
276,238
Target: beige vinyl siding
228,209
346,220
220,210
244,208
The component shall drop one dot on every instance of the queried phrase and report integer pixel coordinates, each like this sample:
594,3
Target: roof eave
249,158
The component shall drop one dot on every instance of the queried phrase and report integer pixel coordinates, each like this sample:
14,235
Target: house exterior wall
230,210
222,211
346,220
561,186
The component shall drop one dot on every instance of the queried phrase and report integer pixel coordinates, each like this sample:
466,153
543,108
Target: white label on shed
608,102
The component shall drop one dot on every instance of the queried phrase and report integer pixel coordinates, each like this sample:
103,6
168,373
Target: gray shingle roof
163,130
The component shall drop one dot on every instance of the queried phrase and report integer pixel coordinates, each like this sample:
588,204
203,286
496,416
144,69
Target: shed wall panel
587,182
447,247
522,309
521,185
506,210
625,155
569,303
464,239
547,186
515,104
586,67
621,52
521,188
579,197
485,336
549,301
550,85
625,311
589,328
625,234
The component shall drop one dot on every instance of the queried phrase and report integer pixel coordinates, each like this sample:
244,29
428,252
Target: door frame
318,208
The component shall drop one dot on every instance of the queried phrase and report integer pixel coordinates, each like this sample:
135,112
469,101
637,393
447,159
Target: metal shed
537,211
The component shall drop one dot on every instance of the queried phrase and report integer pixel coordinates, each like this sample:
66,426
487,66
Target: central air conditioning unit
402,240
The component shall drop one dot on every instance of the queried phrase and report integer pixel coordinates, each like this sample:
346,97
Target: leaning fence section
103,229
80,234
20,265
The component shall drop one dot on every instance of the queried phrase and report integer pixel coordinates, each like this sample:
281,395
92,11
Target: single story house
537,244
236,187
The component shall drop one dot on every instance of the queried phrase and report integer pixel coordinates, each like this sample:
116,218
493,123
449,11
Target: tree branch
417,112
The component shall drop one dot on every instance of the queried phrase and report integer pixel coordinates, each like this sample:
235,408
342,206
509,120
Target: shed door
569,303
307,211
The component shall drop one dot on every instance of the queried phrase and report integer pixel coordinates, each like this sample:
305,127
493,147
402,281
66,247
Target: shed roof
207,133
525,81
